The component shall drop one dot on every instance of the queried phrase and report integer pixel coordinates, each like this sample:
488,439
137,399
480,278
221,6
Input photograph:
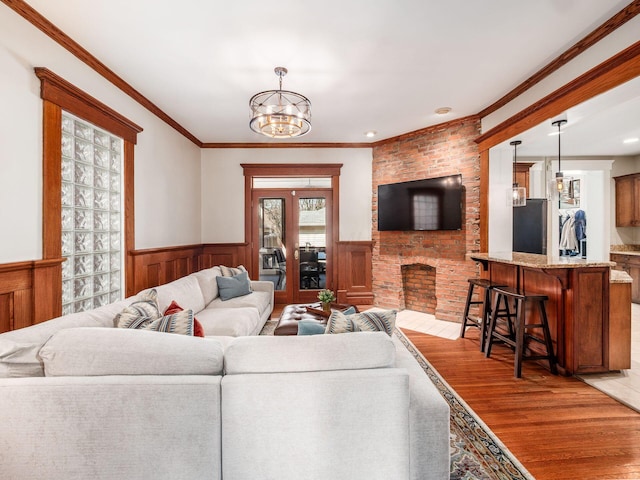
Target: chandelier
280,113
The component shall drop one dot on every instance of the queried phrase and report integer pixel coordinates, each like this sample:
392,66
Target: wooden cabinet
630,264
628,200
522,175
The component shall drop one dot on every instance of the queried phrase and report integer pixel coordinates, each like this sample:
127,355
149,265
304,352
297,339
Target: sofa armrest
264,286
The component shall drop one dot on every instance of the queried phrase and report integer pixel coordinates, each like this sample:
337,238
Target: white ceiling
596,128
382,65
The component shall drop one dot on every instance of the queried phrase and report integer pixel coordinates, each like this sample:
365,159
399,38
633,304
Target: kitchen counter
588,306
538,261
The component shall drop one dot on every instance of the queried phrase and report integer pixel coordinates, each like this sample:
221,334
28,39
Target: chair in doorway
309,270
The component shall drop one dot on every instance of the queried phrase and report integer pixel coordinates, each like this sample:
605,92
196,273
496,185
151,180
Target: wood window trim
57,95
251,170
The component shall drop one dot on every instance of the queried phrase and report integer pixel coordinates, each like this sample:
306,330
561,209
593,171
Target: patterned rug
476,453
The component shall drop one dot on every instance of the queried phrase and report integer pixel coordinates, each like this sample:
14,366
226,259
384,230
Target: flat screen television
428,204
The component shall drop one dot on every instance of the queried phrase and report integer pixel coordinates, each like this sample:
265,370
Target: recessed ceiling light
631,140
442,110
371,133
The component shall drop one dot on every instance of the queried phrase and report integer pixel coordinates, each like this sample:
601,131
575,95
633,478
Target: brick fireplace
445,149
419,288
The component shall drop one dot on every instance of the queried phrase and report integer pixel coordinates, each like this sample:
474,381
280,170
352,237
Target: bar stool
517,342
481,322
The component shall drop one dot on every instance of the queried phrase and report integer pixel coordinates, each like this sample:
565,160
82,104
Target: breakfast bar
588,307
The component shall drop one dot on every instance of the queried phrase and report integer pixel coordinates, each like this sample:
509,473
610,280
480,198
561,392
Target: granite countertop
625,249
533,260
619,276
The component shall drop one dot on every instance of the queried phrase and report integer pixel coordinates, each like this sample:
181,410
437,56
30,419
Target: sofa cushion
374,321
207,281
19,348
116,351
307,353
259,300
232,287
175,308
186,291
144,310
232,271
233,322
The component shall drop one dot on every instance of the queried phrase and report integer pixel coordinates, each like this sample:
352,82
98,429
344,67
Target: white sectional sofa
81,399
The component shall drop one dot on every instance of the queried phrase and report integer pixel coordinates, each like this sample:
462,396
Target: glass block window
92,234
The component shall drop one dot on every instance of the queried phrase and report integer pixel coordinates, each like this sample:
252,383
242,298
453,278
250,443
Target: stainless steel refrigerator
530,227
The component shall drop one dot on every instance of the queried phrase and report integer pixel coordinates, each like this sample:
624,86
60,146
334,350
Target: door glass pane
312,239
273,251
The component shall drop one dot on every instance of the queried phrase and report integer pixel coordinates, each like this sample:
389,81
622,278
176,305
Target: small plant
326,296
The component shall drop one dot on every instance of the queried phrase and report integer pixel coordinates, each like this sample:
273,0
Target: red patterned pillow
198,331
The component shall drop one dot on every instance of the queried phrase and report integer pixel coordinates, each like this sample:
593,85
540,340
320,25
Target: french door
292,241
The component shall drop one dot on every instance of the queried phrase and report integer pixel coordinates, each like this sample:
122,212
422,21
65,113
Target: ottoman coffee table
292,314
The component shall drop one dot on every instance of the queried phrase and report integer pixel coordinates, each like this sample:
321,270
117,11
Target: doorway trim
332,170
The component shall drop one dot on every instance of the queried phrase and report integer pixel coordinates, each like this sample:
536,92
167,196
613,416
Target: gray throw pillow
232,287
310,327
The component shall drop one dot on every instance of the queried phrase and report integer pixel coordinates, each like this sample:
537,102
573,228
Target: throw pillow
310,327
383,321
140,312
198,331
180,322
232,272
232,287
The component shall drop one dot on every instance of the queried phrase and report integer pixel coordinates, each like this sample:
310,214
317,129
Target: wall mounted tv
428,204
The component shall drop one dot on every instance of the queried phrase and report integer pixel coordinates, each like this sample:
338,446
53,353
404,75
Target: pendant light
559,176
280,113
518,193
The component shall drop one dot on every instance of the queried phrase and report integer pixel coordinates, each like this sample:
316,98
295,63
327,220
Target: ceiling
595,128
383,65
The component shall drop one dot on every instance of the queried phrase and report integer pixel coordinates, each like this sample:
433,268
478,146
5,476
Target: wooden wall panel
29,293
156,266
229,254
354,271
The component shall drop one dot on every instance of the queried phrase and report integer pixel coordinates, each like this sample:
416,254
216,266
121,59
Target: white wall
167,166
223,188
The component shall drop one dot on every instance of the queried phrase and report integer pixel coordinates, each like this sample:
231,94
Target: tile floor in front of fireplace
624,385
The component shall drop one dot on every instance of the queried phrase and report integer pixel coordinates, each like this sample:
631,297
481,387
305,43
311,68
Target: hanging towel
568,240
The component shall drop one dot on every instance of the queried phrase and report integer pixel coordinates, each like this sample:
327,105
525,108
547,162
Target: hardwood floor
558,427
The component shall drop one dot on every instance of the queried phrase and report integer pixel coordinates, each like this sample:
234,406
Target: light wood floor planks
558,427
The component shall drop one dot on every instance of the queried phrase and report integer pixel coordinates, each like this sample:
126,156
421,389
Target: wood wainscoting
31,291
354,268
156,266
21,283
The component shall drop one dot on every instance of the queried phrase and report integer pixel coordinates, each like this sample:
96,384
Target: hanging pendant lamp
518,193
559,175
280,113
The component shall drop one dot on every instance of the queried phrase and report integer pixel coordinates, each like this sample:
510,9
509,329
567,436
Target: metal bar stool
517,342
479,321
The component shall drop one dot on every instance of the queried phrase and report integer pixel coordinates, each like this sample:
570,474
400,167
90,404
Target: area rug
476,453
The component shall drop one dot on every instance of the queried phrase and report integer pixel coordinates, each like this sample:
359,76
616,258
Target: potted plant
326,296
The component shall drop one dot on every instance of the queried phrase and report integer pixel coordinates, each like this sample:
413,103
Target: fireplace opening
419,288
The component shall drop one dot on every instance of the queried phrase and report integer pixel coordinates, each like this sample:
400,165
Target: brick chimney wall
445,149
